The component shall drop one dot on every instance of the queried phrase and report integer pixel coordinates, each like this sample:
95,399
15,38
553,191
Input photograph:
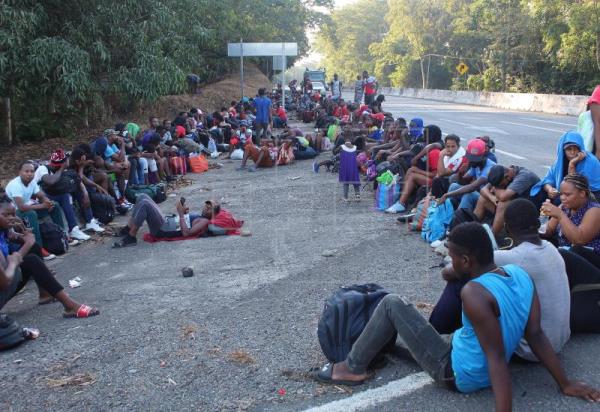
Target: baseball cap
179,131
476,150
496,175
57,158
109,132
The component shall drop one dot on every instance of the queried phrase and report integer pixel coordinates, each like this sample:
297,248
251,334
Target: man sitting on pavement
542,262
474,178
500,307
505,184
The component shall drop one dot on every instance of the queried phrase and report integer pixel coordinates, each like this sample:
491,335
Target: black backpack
344,317
462,216
11,333
54,238
67,183
103,207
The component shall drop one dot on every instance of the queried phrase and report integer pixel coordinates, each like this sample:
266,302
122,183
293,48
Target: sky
313,57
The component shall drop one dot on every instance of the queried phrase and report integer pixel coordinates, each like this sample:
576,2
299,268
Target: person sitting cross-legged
500,306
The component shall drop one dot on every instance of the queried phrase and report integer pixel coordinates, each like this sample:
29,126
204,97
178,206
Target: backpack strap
585,287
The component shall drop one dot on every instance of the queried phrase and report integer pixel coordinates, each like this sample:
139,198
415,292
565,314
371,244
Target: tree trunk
8,137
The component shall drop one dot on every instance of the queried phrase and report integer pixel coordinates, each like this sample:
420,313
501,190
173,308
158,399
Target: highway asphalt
241,333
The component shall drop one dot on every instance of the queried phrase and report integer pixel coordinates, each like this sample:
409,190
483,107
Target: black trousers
32,267
584,279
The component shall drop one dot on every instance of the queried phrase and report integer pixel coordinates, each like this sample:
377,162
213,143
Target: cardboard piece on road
462,68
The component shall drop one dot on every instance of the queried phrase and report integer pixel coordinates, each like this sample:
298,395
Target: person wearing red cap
63,186
474,178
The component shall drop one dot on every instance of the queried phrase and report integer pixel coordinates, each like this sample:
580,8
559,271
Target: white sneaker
395,208
436,243
76,233
93,226
73,242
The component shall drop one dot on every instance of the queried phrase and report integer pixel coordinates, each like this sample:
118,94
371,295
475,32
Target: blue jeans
136,171
468,200
66,203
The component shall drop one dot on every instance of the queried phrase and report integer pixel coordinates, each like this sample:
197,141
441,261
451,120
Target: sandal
84,311
324,374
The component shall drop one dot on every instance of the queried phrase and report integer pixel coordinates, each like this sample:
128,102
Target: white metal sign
261,49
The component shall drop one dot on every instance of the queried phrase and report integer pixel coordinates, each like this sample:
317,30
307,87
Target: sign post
262,50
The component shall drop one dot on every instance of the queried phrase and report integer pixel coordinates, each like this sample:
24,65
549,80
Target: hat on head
496,175
476,150
180,131
57,158
109,132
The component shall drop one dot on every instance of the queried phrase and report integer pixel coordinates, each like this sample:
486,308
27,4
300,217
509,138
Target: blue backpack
437,221
344,317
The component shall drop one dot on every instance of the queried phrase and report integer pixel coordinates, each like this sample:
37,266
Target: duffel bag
156,192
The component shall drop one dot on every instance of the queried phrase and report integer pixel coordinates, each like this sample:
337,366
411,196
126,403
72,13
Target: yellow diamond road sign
462,68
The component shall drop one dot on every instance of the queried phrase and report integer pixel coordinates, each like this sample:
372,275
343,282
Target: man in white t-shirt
32,203
544,264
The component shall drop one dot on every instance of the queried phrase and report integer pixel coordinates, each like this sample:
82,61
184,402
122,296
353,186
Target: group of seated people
67,188
537,262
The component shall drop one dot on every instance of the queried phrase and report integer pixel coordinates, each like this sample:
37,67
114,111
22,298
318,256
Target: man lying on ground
211,221
500,306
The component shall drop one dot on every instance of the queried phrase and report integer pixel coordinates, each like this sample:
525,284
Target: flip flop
84,311
324,374
47,301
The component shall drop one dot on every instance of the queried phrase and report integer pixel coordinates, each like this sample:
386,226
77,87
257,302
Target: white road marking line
550,121
511,154
455,122
486,129
372,397
533,127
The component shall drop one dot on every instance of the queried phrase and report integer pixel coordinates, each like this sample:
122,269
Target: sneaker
76,233
241,168
122,210
252,169
93,226
126,241
47,255
73,242
436,243
395,208
315,167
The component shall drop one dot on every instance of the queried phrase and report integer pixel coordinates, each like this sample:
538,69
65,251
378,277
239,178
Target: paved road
241,334
522,138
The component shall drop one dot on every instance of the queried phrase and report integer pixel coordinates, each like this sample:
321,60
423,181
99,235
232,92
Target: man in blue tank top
500,305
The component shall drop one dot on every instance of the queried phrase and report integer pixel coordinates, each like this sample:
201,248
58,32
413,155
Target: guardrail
571,105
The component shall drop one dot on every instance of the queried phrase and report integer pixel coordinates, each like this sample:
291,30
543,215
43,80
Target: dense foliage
544,46
70,62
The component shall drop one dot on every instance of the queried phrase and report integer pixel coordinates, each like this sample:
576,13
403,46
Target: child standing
348,173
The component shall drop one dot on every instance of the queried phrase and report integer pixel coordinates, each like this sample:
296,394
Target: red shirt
280,112
369,88
340,112
432,159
